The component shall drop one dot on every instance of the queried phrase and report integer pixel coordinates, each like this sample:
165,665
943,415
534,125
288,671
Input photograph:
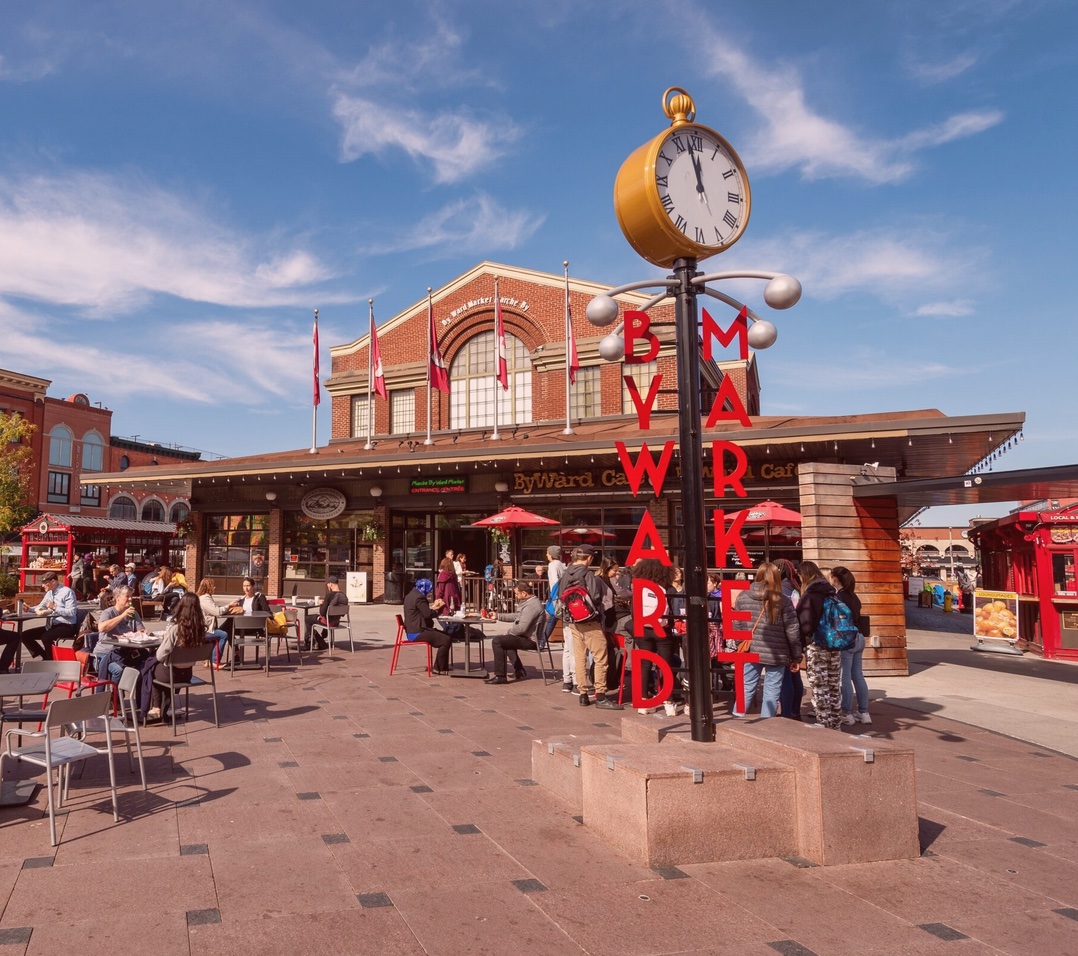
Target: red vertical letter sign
647,532
727,538
643,407
740,328
637,326
645,464
649,607
666,680
721,479
727,393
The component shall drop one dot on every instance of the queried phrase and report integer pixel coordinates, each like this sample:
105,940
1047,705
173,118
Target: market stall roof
918,444
103,524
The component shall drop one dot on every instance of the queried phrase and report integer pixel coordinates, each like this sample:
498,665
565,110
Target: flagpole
317,396
430,353
494,436
370,375
568,430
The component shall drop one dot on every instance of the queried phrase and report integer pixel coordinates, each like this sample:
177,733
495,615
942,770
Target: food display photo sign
995,615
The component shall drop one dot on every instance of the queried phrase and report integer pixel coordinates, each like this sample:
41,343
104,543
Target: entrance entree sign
729,469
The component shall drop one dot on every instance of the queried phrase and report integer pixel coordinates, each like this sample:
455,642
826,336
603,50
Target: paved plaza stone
340,810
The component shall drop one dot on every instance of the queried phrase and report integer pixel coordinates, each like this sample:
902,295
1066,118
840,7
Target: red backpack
577,605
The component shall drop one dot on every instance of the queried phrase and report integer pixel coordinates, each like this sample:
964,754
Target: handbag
743,646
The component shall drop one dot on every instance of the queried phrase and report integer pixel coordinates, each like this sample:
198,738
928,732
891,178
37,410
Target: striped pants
825,670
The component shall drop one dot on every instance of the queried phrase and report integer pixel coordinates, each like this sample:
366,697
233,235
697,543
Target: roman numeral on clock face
668,203
729,219
681,223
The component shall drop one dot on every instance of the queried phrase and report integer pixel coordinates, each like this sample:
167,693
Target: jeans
853,677
769,706
793,691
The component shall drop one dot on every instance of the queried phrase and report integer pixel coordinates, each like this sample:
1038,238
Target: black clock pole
694,519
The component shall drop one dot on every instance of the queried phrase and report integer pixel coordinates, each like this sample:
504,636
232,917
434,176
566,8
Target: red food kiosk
50,543
1035,554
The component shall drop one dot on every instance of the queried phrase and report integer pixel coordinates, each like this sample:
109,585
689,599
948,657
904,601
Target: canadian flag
499,333
379,374
437,373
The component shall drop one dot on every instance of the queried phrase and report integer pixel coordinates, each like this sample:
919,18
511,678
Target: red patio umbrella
513,517
770,514
582,535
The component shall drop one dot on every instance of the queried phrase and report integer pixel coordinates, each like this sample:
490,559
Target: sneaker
645,711
849,720
568,687
864,717
154,713
584,700
607,703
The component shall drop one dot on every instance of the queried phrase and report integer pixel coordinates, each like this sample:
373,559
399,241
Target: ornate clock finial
681,109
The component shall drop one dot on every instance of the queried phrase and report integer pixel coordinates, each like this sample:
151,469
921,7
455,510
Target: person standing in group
587,635
776,636
419,618
793,687
852,672
447,584
608,578
554,570
825,665
519,637
665,645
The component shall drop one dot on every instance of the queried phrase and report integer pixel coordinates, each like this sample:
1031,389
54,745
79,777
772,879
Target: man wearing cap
60,601
419,617
131,578
588,635
326,618
520,637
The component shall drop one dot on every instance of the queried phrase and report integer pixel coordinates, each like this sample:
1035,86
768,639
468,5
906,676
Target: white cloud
904,264
941,70
478,224
455,144
869,369
795,135
953,309
109,244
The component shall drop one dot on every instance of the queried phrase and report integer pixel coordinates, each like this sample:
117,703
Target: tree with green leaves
15,493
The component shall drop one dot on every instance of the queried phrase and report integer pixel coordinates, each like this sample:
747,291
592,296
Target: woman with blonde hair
775,636
207,587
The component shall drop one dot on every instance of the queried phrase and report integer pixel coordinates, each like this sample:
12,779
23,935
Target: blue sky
181,185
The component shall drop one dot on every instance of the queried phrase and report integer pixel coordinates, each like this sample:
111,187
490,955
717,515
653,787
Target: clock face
702,187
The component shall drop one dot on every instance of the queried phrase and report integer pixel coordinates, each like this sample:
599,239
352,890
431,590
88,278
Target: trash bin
948,602
395,584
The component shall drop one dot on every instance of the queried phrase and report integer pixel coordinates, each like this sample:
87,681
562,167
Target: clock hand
699,178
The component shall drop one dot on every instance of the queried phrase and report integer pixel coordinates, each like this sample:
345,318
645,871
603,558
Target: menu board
995,615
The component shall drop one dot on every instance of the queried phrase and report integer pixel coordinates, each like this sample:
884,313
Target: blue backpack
836,630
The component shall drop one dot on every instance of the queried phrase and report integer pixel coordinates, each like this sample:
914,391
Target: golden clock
684,194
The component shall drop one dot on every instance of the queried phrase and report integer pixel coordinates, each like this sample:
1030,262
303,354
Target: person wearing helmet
419,615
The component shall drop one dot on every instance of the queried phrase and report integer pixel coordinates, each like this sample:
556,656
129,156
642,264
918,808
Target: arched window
60,439
123,507
93,452
179,511
125,463
153,510
472,384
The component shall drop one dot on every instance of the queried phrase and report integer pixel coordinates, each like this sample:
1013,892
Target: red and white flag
572,360
317,385
437,373
499,333
378,374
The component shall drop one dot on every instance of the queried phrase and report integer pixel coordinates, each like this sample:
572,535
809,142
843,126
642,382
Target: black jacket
332,599
853,602
810,609
417,612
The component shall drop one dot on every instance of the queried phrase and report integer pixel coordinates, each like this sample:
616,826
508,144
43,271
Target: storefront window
237,546
1063,573
314,550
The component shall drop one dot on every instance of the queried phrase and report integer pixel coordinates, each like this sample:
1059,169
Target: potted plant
372,531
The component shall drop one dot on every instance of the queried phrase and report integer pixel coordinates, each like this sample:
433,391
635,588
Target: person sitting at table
519,637
327,617
447,585
252,602
418,620
117,578
160,582
61,603
207,587
187,629
119,620
131,579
